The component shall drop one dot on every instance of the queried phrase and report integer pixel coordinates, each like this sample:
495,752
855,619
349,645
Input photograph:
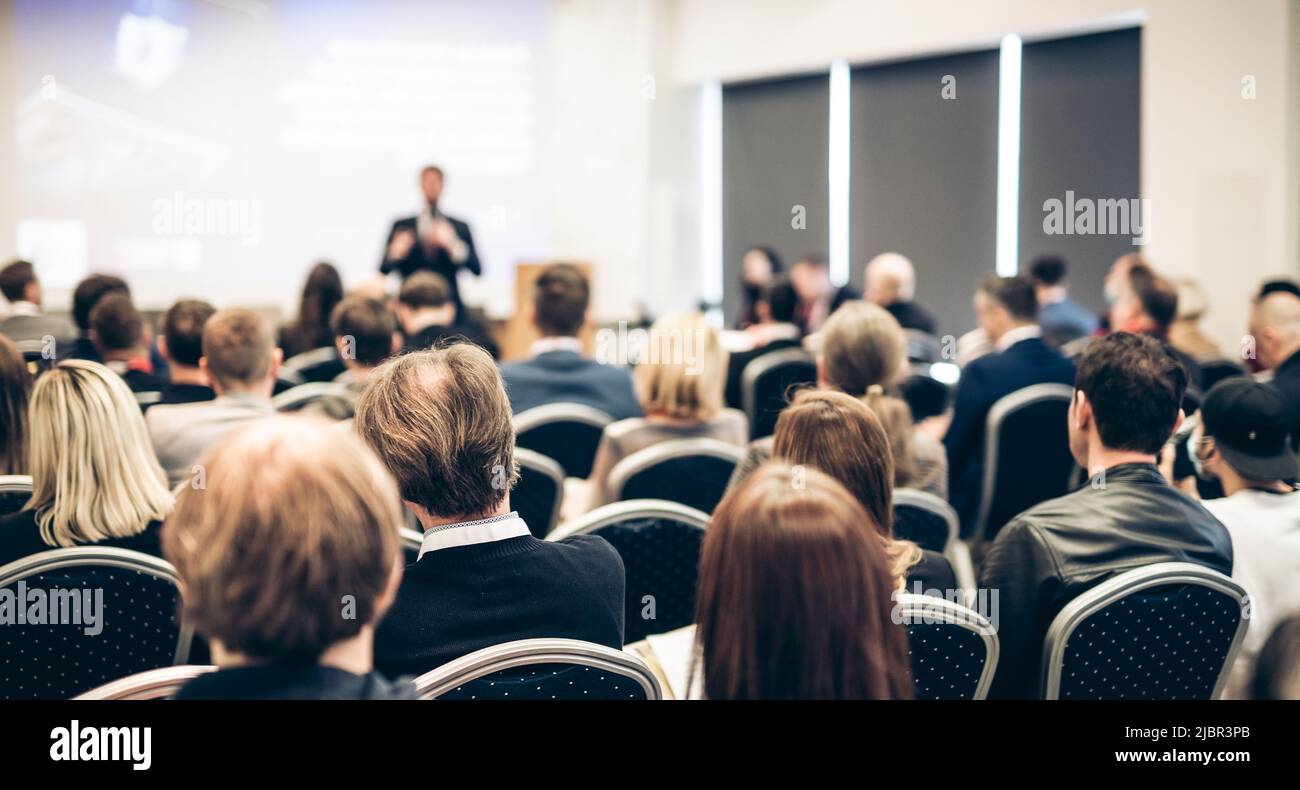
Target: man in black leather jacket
1125,407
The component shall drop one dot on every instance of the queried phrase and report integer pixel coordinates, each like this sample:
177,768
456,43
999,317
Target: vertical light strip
1009,156
710,131
838,173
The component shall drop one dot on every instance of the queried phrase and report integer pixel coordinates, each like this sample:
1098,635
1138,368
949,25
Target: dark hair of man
1135,386
781,299
560,298
814,260
370,324
15,278
424,289
432,169
1158,296
1278,286
88,293
117,324
1016,294
182,326
1047,269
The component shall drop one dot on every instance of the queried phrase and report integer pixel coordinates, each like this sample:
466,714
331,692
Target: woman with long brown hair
794,598
311,328
15,388
839,435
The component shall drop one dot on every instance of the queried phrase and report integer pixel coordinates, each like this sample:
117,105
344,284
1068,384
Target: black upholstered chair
37,355
925,395
693,472
568,433
540,491
15,490
319,364
931,523
659,542
922,347
160,683
953,650
1215,370
1026,455
766,383
542,669
1167,631
136,629
303,395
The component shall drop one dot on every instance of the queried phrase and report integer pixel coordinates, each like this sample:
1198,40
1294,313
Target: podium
517,334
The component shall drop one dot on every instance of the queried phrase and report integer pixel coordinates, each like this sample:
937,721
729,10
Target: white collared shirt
21,307
547,344
469,533
1014,336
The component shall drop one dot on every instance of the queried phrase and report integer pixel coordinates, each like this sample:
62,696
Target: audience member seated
1147,303
181,344
365,334
289,557
1185,333
84,298
1006,308
241,361
758,266
1277,673
94,478
1062,319
772,330
795,595
680,386
1126,406
310,329
122,341
1275,332
1243,440
440,422
818,296
556,371
841,436
20,287
891,283
428,316
15,391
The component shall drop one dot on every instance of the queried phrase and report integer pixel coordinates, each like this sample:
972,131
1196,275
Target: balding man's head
890,278
1275,325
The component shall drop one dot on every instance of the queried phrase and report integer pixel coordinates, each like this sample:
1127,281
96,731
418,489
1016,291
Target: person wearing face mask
1243,441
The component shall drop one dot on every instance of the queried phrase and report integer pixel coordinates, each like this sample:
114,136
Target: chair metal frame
84,556
1007,404
548,466
15,484
305,394
930,346
148,398
310,359
929,609
526,652
161,683
618,512
1092,601
954,550
411,539
560,412
666,451
760,365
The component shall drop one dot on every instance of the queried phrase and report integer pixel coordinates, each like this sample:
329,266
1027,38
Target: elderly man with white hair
891,283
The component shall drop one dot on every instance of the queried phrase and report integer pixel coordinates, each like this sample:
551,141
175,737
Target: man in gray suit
241,360
19,285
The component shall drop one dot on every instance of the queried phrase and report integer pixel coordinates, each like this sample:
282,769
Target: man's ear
162,348
1082,411
1178,421
397,342
277,359
821,370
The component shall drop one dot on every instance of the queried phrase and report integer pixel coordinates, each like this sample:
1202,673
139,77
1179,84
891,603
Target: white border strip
710,131
840,122
1008,228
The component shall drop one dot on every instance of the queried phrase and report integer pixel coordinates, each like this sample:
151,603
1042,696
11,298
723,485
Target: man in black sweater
441,423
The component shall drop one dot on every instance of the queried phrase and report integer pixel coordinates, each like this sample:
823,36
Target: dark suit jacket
440,263
736,367
569,377
982,383
293,681
911,315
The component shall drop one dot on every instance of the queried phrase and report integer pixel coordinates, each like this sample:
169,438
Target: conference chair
659,542
693,472
925,395
160,683
15,490
766,383
412,540
1075,348
1027,456
922,347
319,364
931,523
542,669
303,395
538,495
286,379
34,355
1215,370
953,650
137,628
147,399
1167,631
569,433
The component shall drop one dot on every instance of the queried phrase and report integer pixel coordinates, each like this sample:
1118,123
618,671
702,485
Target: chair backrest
925,395
1075,348
412,540
765,385
34,355
540,491
160,683
1170,630
1026,455
15,490
318,364
305,394
114,613
659,542
953,650
147,398
924,519
694,472
922,346
542,669
568,433
1215,370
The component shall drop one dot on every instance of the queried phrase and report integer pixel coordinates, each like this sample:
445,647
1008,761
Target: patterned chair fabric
692,472
539,492
549,681
925,528
137,628
542,669
566,432
953,650
767,383
15,490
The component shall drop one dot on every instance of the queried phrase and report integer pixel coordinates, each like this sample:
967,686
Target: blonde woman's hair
862,345
683,370
94,474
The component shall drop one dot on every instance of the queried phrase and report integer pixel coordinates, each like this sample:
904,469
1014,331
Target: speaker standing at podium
431,240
